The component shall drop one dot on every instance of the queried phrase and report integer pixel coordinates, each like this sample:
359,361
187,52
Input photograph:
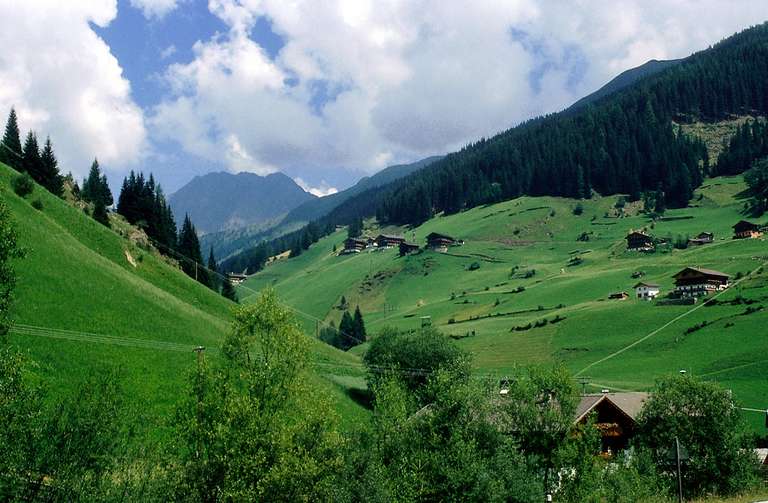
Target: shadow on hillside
362,396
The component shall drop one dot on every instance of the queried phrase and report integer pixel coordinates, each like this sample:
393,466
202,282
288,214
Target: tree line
625,142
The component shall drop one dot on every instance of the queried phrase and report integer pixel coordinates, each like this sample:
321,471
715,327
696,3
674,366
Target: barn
696,282
615,416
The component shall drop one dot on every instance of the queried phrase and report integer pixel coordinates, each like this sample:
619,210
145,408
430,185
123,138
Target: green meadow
143,319
529,260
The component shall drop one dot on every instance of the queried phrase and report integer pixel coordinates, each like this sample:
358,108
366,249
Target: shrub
578,209
474,266
37,204
23,185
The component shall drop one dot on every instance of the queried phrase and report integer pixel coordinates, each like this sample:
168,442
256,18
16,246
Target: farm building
615,417
746,230
354,245
406,248
436,241
618,296
236,278
704,238
385,241
646,291
639,241
695,282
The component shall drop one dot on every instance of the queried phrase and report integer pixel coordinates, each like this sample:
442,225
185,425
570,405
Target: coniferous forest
626,142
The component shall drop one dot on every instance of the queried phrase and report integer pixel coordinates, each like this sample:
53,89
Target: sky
325,91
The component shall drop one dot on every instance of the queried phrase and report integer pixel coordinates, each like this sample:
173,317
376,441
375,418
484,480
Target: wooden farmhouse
615,416
440,242
235,278
646,291
704,238
746,230
385,241
696,282
406,248
354,245
639,241
618,296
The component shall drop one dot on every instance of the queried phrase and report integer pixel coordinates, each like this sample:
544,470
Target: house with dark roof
354,245
236,278
639,241
618,296
697,281
704,238
407,248
746,230
615,416
387,241
645,290
440,242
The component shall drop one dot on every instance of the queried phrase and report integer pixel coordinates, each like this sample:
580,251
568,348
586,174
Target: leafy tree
413,355
709,426
247,430
9,250
757,181
228,290
10,150
50,178
189,249
23,185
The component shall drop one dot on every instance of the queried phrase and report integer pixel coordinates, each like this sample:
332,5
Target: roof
390,236
639,233
437,235
645,283
708,272
762,455
630,403
745,224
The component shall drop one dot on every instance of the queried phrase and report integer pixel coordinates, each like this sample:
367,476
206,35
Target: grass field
616,344
146,318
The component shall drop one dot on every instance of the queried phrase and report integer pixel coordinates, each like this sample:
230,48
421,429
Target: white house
646,291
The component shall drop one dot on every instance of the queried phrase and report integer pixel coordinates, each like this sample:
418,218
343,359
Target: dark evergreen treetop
142,202
95,187
189,250
50,178
30,157
10,150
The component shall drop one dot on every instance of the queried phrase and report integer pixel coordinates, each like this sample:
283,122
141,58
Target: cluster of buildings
641,241
690,282
435,241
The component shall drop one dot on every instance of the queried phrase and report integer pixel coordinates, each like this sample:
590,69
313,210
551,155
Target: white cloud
320,191
410,79
155,9
168,52
64,82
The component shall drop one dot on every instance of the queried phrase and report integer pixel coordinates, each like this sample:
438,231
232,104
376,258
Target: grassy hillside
480,307
77,280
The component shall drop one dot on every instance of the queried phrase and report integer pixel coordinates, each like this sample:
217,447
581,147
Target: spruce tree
10,150
91,190
213,269
359,326
100,213
189,248
30,157
228,291
51,178
347,331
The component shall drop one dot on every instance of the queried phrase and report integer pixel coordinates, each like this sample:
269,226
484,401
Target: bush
37,204
23,185
474,266
578,209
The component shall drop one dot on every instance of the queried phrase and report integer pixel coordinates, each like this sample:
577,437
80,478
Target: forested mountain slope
626,142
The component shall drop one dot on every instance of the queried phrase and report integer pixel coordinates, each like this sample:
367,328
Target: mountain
627,142
625,79
228,242
218,201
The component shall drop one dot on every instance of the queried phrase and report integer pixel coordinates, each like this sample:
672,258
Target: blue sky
325,91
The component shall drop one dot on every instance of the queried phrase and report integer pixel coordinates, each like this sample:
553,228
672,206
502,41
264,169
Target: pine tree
189,248
51,178
10,150
100,213
213,269
359,325
228,291
30,157
347,331
91,190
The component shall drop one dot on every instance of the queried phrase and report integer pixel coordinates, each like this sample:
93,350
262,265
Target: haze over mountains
219,201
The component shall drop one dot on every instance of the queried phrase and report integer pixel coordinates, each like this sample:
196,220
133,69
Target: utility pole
679,475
